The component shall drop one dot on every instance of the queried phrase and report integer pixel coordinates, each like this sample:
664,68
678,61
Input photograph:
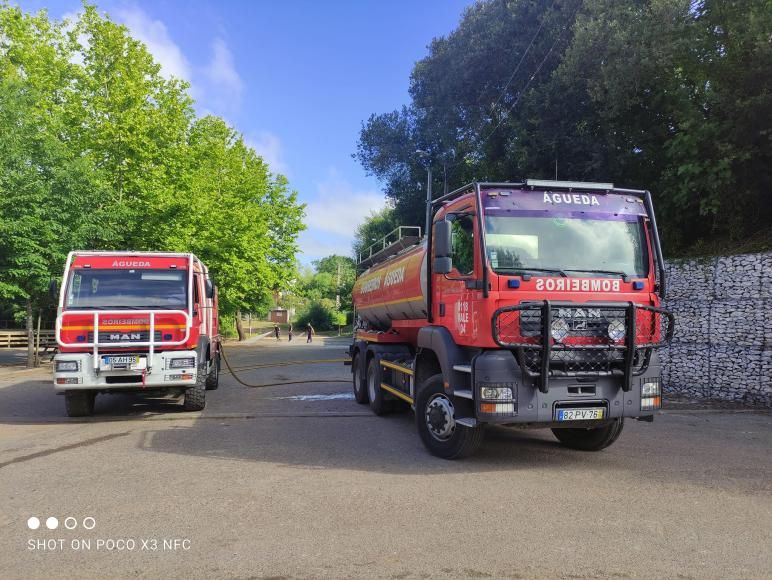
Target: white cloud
314,245
215,85
339,208
223,81
333,215
269,147
155,35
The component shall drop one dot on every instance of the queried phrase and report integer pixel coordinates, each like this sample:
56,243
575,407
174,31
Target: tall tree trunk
239,329
30,336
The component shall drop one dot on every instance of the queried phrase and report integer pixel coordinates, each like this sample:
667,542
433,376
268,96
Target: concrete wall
722,348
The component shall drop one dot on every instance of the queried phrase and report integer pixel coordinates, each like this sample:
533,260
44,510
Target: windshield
566,246
130,289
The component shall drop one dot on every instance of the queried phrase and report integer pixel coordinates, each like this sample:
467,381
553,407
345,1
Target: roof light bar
585,185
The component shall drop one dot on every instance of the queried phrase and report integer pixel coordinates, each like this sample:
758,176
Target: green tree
667,95
375,227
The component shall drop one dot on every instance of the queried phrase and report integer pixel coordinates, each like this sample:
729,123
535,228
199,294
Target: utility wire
528,83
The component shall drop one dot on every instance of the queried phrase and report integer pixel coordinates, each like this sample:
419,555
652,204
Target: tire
593,439
79,403
213,378
374,391
443,440
359,382
195,396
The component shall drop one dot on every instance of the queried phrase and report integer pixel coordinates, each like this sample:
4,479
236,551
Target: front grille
582,321
586,350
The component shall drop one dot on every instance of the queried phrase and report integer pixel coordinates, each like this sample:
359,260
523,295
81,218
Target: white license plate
123,362
580,414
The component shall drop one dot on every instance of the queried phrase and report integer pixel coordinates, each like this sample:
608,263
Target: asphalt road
299,481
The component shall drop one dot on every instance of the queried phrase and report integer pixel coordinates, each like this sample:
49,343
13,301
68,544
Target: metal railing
393,237
150,344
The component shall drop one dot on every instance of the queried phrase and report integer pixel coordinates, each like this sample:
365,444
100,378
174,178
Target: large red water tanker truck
531,305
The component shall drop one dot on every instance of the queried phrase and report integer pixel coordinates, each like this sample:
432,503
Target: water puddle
330,397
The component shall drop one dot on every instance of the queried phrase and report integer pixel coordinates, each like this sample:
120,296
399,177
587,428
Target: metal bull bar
586,349
151,343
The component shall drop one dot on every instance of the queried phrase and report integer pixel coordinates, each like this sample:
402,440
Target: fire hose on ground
281,364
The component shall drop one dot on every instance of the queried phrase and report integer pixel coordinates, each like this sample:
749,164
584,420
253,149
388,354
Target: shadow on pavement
388,444
35,402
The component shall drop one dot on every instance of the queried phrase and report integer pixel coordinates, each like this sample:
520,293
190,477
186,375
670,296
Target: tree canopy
674,96
99,151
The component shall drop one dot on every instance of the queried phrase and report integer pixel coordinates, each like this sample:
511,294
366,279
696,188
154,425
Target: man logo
122,337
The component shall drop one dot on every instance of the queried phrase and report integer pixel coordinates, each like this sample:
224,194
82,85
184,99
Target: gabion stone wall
722,347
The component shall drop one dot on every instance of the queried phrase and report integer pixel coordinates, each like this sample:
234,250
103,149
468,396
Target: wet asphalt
298,481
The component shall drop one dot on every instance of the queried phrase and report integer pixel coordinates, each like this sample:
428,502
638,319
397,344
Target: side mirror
442,239
209,285
443,265
53,289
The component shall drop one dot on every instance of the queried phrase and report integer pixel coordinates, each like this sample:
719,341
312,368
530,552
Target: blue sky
297,78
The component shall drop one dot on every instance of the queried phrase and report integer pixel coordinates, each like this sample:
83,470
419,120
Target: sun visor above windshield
561,202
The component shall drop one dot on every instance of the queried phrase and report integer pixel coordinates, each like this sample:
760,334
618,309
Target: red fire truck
136,321
532,305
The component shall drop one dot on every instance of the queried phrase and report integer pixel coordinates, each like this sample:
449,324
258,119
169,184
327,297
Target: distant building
279,315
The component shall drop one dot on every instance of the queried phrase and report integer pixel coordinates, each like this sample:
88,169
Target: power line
522,58
528,83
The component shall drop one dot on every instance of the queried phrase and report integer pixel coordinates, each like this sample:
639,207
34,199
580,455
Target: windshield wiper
625,276
557,270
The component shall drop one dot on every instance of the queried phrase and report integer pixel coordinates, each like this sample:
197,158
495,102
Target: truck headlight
651,396
616,330
182,363
496,393
559,329
67,366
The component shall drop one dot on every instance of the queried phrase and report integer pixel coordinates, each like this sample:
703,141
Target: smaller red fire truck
136,321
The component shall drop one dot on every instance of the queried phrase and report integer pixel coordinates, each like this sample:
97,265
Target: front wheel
195,396
435,418
593,439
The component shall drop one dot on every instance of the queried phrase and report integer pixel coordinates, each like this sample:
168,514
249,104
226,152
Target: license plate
580,414
122,362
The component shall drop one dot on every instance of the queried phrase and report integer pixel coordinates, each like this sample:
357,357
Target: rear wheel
374,391
213,378
360,386
436,421
79,403
195,396
593,439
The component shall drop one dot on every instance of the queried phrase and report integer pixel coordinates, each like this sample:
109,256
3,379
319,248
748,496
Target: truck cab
136,321
542,309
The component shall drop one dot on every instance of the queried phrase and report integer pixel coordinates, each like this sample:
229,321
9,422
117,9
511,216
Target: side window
463,245
196,295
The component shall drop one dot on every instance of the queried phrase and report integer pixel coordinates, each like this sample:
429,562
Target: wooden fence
18,339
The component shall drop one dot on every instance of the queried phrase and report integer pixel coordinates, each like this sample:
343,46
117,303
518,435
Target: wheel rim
371,385
440,417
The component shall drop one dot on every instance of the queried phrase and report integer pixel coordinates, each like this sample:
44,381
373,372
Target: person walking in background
276,331
309,333
289,333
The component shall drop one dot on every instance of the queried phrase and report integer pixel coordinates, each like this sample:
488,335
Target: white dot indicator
52,523
33,523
